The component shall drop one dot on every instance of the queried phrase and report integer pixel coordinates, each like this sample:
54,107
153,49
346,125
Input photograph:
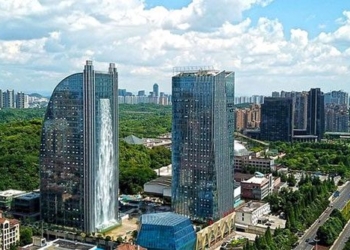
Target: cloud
43,41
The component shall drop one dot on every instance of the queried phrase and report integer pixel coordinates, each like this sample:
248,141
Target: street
310,233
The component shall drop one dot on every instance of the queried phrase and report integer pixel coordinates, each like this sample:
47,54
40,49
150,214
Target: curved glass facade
79,152
202,144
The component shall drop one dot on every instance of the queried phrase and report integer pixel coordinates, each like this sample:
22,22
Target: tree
26,234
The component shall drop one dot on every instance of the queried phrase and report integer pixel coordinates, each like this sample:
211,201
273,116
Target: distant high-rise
141,93
315,113
202,143
21,100
277,114
275,94
300,110
9,99
121,92
155,90
79,152
1,99
336,97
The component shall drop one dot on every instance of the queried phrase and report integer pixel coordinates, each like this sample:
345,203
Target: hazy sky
270,44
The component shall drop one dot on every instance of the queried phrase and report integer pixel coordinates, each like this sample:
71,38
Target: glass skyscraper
79,152
202,143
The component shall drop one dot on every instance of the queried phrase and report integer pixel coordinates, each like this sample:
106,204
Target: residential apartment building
248,118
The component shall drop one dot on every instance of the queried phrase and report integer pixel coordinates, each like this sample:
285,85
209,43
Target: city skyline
271,45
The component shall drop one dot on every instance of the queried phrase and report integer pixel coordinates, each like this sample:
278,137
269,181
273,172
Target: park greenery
20,131
323,156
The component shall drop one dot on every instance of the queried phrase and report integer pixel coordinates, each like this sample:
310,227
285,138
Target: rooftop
256,180
28,196
250,206
162,181
11,192
163,219
62,244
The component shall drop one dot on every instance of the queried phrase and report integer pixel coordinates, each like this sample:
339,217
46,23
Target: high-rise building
79,152
300,110
21,100
1,99
155,90
9,99
203,143
277,114
275,94
121,92
141,93
336,118
315,113
337,97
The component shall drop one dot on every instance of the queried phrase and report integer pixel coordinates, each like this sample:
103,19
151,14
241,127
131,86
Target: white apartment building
9,232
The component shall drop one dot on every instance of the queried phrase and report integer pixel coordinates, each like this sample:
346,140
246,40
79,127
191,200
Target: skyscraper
277,115
79,152
315,113
156,90
202,143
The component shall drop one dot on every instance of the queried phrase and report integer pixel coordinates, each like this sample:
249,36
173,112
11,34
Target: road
310,233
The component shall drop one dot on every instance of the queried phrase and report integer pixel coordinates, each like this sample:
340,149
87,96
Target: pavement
310,233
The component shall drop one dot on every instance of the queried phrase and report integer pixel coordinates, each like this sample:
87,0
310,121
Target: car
307,240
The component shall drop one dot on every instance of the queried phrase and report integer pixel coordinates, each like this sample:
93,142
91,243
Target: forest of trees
20,131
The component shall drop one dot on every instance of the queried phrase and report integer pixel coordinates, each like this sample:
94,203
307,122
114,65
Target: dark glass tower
79,152
277,116
315,113
202,143
156,90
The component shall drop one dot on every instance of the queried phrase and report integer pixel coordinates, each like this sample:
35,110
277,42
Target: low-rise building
244,158
160,186
7,196
253,217
26,207
9,232
257,187
251,212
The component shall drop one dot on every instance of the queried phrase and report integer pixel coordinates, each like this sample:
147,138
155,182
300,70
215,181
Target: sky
271,45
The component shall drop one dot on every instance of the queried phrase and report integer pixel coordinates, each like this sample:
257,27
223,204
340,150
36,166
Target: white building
9,232
250,213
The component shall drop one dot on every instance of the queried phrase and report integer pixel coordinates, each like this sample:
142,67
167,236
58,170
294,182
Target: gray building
202,143
79,152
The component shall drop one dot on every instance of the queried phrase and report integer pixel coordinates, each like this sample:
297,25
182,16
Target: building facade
202,143
277,115
315,113
79,152
9,232
166,231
